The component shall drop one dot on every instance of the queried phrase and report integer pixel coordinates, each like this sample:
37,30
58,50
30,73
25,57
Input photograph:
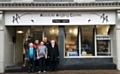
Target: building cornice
61,6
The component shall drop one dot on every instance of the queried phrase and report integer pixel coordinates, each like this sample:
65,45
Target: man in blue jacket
30,57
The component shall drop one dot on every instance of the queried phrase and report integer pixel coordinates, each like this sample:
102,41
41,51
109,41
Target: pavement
75,72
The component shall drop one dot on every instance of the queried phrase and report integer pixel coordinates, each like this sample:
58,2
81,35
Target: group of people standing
44,52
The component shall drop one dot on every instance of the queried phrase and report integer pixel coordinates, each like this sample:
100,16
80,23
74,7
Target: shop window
5,0
51,32
103,41
87,40
36,32
71,41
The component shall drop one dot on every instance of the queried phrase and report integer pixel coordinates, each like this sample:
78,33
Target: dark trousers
23,57
53,64
31,64
42,63
47,62
37,61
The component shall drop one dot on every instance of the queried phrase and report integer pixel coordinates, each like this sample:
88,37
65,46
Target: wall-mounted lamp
19,32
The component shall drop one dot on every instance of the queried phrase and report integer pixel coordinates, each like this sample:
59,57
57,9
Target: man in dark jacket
26,44
30,57
26,47
53,55
47,44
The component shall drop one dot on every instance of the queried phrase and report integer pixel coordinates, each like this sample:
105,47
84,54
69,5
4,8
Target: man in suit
30,57
53,55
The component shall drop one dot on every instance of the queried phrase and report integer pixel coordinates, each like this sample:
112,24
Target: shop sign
59,18
103,37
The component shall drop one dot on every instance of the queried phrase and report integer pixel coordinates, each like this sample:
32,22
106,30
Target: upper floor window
5,0
107,0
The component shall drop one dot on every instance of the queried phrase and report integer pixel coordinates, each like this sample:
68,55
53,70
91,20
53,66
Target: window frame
95,46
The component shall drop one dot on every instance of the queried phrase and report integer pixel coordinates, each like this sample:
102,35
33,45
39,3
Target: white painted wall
118,48
9,47
1,43
19,48
116,57
1,51
113,44
20,39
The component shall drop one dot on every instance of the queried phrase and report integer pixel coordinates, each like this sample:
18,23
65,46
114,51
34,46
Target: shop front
83,37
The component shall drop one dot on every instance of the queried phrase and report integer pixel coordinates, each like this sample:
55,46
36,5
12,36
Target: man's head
45,39
42,43
29,37
31,44
52,41
37,41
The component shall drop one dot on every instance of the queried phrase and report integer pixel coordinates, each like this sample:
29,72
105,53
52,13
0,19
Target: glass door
37,33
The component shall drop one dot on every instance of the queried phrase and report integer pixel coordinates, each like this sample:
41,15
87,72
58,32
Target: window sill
88,57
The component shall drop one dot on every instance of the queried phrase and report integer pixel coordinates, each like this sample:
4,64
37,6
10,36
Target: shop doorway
16,37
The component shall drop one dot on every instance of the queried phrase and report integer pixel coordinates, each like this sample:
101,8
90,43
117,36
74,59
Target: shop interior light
70,31
19,32
53,30
75,31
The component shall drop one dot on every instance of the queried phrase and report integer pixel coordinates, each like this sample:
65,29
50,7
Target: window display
87,41
80,40
71,41
103,41
51,32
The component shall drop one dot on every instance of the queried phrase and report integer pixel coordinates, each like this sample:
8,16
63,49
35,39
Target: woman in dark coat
53,55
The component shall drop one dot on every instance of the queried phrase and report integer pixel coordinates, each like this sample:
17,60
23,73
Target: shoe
24,65
50,70
44,71
56,70
39,71
33,71
29,71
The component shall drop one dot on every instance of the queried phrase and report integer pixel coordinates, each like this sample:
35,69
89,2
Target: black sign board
60,21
